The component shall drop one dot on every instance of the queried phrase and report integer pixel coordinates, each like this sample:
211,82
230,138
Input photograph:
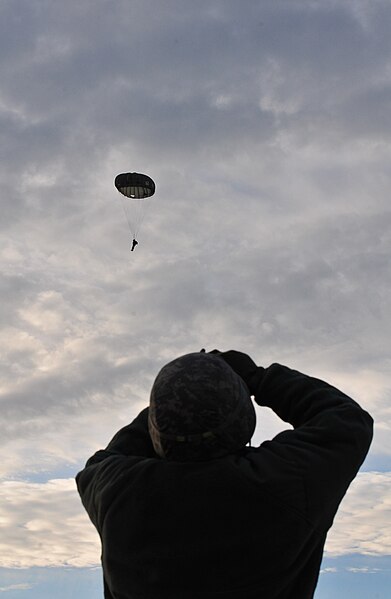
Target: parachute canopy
135,185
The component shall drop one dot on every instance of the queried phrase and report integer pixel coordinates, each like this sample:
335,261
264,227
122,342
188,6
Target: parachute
135,189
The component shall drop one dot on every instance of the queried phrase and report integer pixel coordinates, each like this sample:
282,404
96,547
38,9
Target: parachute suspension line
141,216
135,211
126,215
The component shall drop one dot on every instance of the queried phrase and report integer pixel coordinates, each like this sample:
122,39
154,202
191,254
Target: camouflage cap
199,409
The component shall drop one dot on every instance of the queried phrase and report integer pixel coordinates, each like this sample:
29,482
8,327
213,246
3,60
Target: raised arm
97,482
331,433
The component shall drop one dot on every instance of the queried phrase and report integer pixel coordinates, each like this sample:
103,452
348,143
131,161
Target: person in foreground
185,509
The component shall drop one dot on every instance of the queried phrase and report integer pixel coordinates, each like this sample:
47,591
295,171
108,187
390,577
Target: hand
243,365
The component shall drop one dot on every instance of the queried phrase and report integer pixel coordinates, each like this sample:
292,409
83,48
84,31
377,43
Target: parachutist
134,189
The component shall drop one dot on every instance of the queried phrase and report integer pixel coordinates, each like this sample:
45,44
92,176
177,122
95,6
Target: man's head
199,409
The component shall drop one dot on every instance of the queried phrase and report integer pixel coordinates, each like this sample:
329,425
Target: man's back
246,525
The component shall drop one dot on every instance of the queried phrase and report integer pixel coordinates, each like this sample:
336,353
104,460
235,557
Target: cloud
331,570
23,586
361,522
85,339
217,77
266,128
44,525
366,570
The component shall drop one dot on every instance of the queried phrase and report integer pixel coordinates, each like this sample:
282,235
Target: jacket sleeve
330,438
100,480
131,440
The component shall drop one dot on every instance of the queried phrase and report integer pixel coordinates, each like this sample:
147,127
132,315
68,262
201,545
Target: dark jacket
249,525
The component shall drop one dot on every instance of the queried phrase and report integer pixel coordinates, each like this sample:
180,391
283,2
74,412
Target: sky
266,127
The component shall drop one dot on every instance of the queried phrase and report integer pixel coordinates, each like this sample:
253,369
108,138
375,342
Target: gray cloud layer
266,128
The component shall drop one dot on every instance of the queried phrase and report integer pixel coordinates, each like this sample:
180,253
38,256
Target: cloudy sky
266,127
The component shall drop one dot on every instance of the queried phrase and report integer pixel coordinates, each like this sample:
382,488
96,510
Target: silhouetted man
185,510
134,243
